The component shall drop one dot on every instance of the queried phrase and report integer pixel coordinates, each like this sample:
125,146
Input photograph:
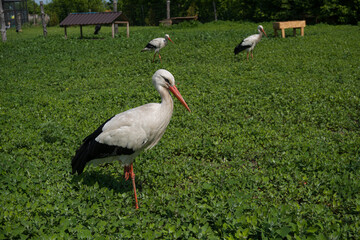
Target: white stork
124,136
157,44
250,42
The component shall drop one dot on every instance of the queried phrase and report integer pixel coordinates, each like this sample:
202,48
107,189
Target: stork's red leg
126,172
252,56
247,56
129,171
133,181
154,57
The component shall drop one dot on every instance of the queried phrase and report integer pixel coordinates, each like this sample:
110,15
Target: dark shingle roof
92,18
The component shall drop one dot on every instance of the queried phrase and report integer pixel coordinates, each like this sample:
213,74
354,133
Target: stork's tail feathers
80,159
149,47
85,152
239,48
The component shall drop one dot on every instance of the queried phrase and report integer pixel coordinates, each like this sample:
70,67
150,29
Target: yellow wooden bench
289,24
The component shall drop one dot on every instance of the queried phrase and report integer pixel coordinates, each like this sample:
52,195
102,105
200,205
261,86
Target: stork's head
261,29
164,79
168,37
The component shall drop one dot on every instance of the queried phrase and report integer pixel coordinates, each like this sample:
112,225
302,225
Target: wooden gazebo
95,18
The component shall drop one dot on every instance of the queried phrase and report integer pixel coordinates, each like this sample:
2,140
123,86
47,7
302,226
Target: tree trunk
168,9
214,5
115,10
18,22
2,22
43,18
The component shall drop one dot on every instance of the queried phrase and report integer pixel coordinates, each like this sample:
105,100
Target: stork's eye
167,80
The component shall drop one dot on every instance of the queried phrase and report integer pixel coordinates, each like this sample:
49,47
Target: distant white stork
250,42
124,136
157,44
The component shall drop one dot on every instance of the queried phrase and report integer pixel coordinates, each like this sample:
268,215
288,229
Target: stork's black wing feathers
91,149
240,48
149,45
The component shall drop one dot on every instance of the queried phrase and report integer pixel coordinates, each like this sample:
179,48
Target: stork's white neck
259,36
167,103
163,115
165,41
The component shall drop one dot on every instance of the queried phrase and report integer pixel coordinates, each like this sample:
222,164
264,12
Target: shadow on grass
113,182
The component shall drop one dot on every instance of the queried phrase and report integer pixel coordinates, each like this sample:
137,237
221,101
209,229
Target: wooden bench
176,20
289,24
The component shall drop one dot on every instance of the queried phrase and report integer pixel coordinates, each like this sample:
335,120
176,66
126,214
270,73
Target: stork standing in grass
124,136
157,44
250,42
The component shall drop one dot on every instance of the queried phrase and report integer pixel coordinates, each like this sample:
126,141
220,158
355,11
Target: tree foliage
33,7
332,11
150,12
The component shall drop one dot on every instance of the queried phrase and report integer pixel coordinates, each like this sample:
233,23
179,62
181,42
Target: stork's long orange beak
170,39
177,94
264,32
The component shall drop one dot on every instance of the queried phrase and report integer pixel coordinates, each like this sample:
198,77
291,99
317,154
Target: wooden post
65,32
127,29
115,10
34,14
43,18
283,32
2,21
18,22
168,9
214,5
294,31
302,31
81,35
113,30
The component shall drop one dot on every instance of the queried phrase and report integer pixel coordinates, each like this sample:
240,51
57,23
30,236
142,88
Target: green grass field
269,151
